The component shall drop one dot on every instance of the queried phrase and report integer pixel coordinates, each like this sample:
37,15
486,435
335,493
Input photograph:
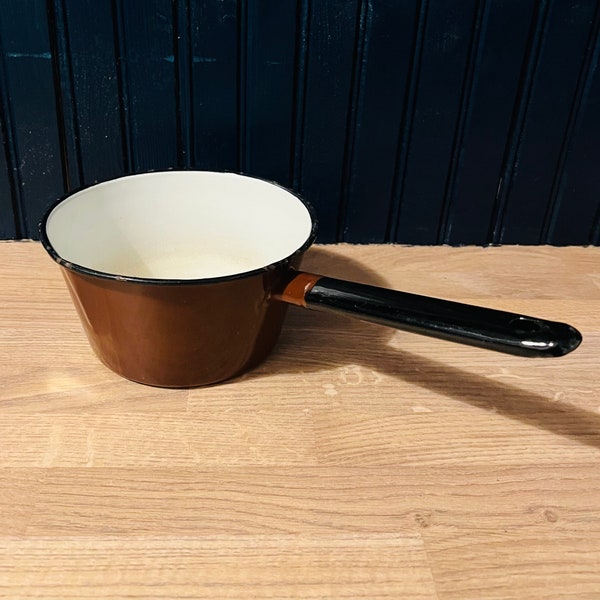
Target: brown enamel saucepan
182,278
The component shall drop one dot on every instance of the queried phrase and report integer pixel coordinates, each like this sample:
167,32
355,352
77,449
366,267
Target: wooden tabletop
357,462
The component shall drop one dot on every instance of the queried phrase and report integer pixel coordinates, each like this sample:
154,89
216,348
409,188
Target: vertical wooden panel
11,225
30,89
65,94
471,70
150,79
8,221
537,38
214,41
268,89
331,38
381,73
89,93
8,229
440,79
472,199
574,217
184,99
300,83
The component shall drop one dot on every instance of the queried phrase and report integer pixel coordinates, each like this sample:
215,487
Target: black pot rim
77,268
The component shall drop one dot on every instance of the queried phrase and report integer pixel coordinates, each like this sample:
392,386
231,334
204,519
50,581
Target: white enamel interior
179,225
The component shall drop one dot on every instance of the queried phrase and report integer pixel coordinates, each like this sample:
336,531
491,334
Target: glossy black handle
474,325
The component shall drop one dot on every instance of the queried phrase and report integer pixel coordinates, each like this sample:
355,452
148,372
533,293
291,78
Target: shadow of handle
484,327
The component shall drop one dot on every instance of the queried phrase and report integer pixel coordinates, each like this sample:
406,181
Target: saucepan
182,279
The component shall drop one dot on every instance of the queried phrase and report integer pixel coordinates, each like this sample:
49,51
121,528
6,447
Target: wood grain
356,462
274,566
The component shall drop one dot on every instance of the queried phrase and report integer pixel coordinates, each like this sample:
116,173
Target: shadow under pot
182,279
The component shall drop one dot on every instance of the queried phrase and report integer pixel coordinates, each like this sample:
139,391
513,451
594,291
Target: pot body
180,334
173,273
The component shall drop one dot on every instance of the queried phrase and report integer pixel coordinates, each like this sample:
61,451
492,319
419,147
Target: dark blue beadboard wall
409,121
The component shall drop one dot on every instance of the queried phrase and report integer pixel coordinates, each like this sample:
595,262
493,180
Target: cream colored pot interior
179,225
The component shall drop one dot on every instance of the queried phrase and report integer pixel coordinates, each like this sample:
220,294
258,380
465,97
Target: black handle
474,325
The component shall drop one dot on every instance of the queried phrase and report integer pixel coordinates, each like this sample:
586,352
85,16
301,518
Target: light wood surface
357,462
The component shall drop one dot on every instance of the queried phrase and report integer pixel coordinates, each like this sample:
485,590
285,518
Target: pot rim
77,268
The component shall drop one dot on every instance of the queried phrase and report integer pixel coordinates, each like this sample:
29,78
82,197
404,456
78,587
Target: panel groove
123,86
466,105
407,122
11,153
361,44
183,59
584,83
299,93
515,136
242,85
64,90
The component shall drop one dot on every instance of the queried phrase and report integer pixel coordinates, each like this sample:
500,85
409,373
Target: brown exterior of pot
181,335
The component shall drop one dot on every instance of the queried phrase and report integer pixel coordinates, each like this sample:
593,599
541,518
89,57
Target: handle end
545,338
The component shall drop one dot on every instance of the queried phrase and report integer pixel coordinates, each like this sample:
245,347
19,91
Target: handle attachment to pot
484,327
